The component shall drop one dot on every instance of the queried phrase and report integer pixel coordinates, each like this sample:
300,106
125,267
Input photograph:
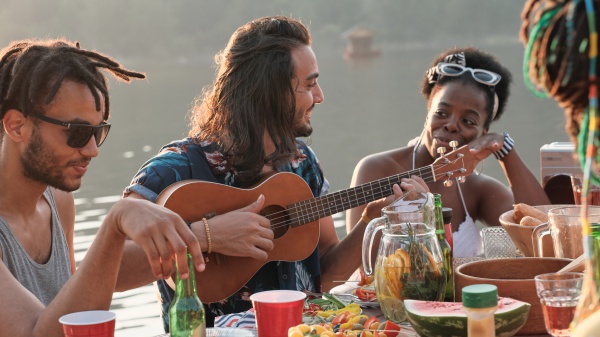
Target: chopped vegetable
333,299
352,308
347,325
366,294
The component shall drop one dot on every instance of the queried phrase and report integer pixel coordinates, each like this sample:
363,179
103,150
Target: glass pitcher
409,263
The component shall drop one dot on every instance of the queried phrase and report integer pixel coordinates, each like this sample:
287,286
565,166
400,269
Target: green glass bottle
186,313
445,248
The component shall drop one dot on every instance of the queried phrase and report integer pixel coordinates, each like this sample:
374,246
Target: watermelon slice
447,319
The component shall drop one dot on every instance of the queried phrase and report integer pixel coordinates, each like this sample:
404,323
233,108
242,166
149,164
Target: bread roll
530,221
522,210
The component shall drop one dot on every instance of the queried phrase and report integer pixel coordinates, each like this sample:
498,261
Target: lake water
369,106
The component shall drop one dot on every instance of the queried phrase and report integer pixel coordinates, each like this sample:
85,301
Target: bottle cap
480,296
447,214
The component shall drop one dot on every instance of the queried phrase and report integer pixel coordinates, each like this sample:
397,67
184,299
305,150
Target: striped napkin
245,320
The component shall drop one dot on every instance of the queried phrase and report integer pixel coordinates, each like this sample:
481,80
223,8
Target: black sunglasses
79,134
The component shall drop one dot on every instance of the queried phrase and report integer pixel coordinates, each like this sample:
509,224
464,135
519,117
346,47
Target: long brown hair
253,92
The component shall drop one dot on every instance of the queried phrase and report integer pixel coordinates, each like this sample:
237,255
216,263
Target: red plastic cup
95,323
277,311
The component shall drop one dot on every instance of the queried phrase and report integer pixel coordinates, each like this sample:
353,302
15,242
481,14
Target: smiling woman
466,90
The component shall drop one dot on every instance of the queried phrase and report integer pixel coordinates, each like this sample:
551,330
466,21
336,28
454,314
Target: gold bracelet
208,240
364,217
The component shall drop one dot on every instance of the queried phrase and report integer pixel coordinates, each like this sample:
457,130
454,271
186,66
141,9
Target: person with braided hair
466,90
54,107
560,63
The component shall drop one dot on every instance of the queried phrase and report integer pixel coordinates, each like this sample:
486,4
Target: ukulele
293,211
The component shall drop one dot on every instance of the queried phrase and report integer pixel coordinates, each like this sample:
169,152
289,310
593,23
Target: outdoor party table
406,330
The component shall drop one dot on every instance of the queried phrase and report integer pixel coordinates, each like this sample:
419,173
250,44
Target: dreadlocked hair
253,93
558,62
32,71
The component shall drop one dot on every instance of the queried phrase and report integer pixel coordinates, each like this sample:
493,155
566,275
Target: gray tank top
43,280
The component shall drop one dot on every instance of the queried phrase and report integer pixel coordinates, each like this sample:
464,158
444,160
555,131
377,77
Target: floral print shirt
189,159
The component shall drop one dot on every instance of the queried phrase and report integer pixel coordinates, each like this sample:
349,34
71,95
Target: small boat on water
360,43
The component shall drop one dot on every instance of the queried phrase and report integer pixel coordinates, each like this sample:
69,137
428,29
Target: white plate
345,292
228,332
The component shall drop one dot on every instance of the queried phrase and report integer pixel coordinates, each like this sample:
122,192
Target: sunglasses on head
480,75
79,134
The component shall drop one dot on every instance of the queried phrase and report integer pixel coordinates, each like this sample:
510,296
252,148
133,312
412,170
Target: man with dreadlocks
561,61
54,106
243,128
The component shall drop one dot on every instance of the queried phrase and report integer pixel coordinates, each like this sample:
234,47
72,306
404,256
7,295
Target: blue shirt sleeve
169,166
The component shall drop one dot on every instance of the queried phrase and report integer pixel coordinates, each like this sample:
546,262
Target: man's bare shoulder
65,204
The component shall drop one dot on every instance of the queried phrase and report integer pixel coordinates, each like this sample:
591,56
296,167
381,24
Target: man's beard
301,128
41,166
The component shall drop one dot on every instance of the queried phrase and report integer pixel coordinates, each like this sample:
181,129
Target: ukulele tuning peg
453,144
448,183
462,179
441,151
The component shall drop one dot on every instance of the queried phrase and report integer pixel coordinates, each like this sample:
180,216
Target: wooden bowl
522,235
514,279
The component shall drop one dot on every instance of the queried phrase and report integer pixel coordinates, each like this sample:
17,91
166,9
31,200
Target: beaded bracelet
506,148
208,239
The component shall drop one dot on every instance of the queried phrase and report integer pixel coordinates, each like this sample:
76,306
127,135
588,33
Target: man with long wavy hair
244,127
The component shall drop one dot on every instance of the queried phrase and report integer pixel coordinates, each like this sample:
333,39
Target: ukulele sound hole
279,217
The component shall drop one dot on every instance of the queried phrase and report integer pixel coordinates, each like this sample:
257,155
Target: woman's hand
414,183
485,145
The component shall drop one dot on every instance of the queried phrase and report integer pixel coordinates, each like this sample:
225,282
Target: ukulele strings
383,191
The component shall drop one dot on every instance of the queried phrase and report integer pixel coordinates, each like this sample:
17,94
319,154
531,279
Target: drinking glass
497,244
559,294
594,191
